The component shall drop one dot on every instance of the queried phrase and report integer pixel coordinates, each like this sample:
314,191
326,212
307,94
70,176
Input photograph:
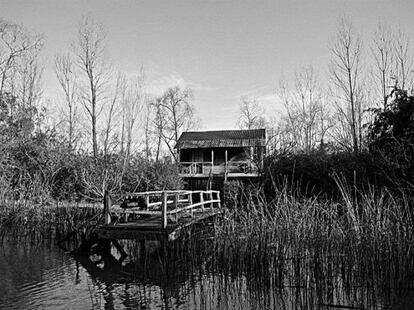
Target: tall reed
293,241
37,222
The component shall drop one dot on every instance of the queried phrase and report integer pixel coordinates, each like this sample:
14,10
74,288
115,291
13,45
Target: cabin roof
222,138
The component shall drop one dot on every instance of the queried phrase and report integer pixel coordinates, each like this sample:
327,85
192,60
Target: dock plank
151,228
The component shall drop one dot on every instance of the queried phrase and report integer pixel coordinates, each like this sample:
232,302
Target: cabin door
198,159
198,156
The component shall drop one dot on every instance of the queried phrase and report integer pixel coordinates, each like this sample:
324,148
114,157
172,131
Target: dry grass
36,222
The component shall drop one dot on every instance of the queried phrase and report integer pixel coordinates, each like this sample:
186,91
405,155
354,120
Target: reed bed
357,245
27,221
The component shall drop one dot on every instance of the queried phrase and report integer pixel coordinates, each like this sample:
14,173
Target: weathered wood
190,201
164,210
152,231
202,200
211,200
176,206
226,165
147,202
175,210
192,207
107,207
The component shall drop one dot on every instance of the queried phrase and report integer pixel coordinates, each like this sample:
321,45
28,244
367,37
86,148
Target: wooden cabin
227,154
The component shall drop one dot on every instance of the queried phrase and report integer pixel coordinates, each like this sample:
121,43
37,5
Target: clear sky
221,49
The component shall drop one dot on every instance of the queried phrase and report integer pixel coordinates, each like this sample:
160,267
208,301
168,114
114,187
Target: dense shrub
315,173
40,167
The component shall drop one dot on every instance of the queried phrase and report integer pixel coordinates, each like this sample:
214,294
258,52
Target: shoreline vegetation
350,251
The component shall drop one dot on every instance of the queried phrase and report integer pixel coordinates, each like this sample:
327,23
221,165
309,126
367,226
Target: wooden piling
147,202
176,198
164,210
190,201
107,207
202,200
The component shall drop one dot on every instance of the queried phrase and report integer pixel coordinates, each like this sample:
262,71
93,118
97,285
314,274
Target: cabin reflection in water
225,154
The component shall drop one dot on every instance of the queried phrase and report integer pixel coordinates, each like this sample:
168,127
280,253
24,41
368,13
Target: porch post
251,159
212,161
225,166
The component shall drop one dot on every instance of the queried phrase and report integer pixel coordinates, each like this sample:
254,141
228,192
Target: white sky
221,49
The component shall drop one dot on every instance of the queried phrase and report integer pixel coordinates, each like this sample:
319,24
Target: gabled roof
222,138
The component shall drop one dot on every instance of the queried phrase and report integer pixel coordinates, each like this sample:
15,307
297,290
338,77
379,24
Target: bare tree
90,52
403,60
108,130
345,71
382,50
159,123
174,114
20,75
19,50
147,131
251,114
133,100
307,117
66,74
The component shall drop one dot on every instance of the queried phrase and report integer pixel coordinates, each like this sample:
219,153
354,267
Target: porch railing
205,168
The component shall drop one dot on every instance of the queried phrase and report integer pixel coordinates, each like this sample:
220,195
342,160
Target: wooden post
107,207
176,198
225,166
218,197
164,210
190,201
251,158
211,199
147,201
202,200
212,161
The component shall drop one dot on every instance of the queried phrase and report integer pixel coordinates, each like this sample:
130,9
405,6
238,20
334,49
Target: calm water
44,276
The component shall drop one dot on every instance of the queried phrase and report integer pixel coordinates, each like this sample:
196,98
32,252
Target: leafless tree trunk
66,75
90,51
159,125
147,130
403,60
111,115
382,51
345,70
133,102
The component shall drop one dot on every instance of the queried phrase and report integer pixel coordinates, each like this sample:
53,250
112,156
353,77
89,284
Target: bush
312,173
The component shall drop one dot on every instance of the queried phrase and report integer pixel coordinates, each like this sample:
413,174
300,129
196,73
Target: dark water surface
43,276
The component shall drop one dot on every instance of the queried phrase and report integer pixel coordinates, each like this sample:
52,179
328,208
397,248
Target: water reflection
198,275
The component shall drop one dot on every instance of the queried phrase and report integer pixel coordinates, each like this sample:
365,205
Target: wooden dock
157,215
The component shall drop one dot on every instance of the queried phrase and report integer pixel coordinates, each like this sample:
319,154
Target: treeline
108,129
104,130
352,125
386,162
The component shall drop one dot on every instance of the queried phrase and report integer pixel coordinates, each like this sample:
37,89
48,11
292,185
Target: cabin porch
233,162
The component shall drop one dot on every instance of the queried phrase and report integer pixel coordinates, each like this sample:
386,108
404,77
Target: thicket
40,168
386,162
38,165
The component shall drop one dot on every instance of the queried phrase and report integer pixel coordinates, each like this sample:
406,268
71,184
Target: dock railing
167,204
